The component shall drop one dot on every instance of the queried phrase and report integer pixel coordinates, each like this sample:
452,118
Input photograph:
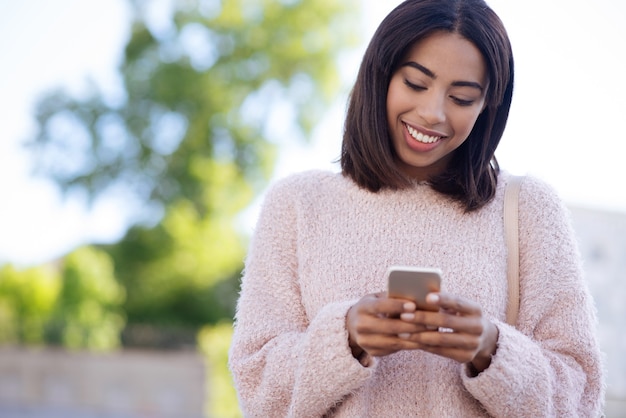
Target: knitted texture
321,243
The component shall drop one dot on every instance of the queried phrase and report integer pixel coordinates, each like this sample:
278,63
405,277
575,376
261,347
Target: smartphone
413,283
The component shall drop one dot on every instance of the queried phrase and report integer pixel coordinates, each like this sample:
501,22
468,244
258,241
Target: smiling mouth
420,137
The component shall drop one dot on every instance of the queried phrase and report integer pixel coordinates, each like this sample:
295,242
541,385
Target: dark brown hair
367,153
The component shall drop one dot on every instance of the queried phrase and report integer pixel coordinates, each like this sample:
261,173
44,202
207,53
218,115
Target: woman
317,336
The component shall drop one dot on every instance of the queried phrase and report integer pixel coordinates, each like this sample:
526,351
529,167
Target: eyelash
456,100
462,102
414,86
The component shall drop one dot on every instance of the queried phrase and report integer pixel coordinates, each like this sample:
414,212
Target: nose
432,108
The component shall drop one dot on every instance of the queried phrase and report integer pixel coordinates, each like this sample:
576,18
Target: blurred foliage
214,342
201,89
184,270
76,304
27,299
188,140
88,311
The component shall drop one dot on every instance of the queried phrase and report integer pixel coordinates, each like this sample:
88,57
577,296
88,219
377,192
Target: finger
453,303
419,318
380,316
387,307
369,304
387,326
455,322
447,340
383,344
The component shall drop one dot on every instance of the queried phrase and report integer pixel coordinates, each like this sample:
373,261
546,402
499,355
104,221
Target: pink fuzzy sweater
321,243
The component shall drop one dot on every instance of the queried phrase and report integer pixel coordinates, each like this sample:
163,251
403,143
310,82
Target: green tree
88,312
192,139
27,299
76,303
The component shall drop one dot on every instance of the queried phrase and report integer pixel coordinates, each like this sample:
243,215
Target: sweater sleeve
550,364
283,362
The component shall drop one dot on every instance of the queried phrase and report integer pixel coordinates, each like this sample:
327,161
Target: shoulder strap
511,235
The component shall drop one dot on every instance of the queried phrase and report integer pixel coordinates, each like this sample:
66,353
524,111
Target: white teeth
427,139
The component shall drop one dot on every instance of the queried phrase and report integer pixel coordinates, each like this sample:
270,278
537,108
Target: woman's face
434,99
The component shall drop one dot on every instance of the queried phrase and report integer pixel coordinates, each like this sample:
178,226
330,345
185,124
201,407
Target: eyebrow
432,75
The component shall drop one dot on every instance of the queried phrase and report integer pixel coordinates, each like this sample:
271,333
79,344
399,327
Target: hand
467,335
374,326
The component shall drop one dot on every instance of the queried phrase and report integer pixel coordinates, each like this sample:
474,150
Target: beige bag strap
511,236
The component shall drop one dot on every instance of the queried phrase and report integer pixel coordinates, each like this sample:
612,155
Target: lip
424,130
417,146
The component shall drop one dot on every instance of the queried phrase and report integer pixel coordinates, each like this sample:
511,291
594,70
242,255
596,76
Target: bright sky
563,126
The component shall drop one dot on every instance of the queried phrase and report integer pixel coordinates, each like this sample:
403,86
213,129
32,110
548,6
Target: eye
413,86
462,102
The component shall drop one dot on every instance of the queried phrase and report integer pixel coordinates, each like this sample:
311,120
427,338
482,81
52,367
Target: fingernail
409,306
404,335
407,316
432,298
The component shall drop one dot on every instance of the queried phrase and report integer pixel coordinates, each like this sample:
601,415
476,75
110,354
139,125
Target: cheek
392,103
465,123
397,100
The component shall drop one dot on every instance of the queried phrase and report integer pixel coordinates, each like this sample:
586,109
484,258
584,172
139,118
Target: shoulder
306,183
541,208
535,193
306,179
307,186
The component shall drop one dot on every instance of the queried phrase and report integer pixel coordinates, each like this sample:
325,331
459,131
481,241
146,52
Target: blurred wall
37,383
602,241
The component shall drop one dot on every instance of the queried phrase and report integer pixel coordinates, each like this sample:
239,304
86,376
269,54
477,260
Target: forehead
449,55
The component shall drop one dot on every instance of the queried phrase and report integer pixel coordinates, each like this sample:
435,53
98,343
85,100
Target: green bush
75,303
213,342
88,311
27,299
